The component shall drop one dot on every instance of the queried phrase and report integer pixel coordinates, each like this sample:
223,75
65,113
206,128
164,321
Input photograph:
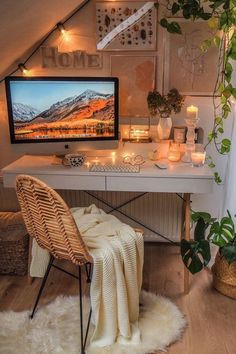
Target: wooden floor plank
211,316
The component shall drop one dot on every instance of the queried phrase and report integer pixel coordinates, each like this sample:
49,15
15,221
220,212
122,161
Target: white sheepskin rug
55,328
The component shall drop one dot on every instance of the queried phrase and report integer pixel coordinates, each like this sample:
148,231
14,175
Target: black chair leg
87,329
81,311
42,286
88,268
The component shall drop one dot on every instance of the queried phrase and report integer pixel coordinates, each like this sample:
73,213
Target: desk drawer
64,181
168,185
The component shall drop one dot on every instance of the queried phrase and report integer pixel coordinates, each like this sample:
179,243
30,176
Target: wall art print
139,36
187,67
137,76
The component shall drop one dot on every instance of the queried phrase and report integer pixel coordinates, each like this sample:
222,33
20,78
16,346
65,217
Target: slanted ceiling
24,22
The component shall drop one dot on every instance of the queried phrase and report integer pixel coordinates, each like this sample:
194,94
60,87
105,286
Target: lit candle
113,157
192,112
87,164
198,158
174,153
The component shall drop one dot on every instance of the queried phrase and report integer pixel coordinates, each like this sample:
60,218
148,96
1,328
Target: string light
61,28
23,68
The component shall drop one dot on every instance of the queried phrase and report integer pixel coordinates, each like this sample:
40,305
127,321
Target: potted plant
196,254
164,105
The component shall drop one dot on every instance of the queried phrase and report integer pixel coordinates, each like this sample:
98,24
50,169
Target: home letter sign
78,59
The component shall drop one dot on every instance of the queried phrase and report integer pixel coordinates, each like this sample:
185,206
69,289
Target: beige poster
136,76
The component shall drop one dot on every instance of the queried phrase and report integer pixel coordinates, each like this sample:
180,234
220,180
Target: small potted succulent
164,105
196,253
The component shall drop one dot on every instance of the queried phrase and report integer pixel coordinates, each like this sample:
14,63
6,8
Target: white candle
113,157
96,161
192,112
198,158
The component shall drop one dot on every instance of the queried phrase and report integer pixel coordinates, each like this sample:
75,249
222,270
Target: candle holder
174,152
190,142
198,158
138,133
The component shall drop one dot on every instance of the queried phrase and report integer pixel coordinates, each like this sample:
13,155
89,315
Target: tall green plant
221,18
196,253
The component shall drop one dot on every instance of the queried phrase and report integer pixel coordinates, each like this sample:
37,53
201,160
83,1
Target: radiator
161,212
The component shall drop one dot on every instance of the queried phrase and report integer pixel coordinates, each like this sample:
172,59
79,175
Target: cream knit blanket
117,251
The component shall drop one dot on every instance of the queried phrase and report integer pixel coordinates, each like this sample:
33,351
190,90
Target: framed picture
137,76
186,67
126,25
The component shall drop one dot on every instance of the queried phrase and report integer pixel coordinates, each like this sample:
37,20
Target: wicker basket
224,276
14,244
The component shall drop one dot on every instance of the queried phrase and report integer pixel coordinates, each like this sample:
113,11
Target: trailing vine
221,18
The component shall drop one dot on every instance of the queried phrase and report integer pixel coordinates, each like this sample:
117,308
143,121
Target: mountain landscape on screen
89,114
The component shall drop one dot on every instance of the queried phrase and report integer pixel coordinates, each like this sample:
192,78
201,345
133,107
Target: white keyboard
121,168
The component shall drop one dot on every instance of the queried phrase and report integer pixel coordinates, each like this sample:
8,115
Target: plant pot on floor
164,128
224,276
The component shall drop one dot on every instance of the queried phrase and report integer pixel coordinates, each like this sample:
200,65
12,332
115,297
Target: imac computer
62,109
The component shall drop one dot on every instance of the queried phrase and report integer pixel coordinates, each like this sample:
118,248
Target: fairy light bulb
23,69
61,28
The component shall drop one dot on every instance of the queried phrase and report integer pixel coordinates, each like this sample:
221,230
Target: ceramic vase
164,128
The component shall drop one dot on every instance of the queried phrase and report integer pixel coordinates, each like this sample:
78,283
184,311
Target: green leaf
164,22
223,99
175,8
225,146
228,73
197,215
211,136
221,87
206,44
229,252
211,164
205,16
217,41
174,27
233,91
225,110
217,178
219,121
200,229
195,254
222,232
218,3
223,19
227,92
213,23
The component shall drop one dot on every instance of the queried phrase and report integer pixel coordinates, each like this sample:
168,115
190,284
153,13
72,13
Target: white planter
164,128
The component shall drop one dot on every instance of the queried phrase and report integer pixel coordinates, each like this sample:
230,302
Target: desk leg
186,235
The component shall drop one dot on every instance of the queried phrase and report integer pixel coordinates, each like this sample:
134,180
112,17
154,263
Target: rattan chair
49,220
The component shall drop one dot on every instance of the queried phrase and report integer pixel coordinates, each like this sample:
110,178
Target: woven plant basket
224,276
14,244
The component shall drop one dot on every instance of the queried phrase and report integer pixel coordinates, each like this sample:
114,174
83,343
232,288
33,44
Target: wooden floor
211,316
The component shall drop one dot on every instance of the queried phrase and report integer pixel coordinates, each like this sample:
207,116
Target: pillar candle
192,112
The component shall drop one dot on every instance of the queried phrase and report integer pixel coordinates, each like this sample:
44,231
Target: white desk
178,178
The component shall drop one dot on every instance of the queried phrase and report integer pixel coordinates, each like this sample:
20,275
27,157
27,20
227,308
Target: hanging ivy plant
221,18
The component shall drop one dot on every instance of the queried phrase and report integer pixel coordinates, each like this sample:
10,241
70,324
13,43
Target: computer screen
48,109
